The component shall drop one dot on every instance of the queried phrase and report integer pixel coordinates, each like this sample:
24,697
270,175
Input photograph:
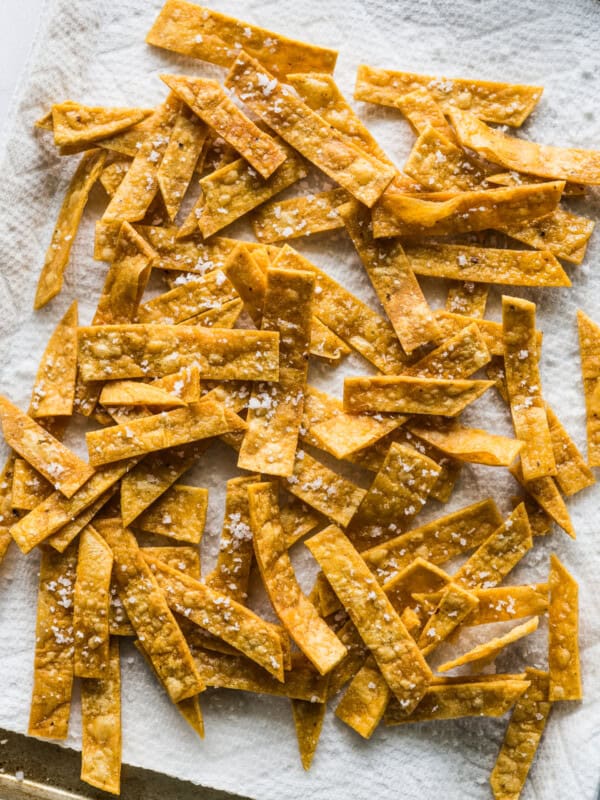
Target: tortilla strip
400,214
193,297
53,661
360,173
504,603
467,298
572,473
235,189
113,173
111,352
437,541
180,514
563,634
486,265
73,123
206,34
365,700
545,492
179,557
589,349
224,317
470,444
129,142
8,515
539,521
63,538
300,618
308,721
28,487
417,578
504,103
488,651
296,519
456,358
353,661
542,160
300,216
407,395
563,233
54,387
422,111
438,164
455,605
393,280
135,393
57,256
488,698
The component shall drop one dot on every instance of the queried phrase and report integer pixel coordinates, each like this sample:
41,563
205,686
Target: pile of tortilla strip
164,377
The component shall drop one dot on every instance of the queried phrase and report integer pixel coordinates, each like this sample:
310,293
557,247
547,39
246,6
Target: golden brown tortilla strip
28,487
207,292
8,515
53,661
468,298
470,444
563,233
360,173
54,388
457,358
300,618
74,124
135,393
129,142
63,538
563,634
179,514
113,173
101,727
505,603
111,352
407,395
504,103
91,601
589,349
439,165
57,256
490,330
420,578
523,382
308,721
300,216
365,700
454,607
400,214
422,110
353,661
178,557
486,652
224,317
546,494
514,178
572,473
296,519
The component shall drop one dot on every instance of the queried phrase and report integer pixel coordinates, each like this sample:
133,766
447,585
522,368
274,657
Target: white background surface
18,23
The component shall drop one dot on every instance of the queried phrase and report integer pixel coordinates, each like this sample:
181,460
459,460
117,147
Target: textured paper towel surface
94,51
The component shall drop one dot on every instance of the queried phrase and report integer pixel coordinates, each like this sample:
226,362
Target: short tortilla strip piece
546,494
54,388
468,298
192,713
188,300
504,103
563,634
149,614
113,173
28,487
505,603
308,721
300,618
8,516
105,239
542,160
408,395
523,382
437,541
63,538
53,661
420,578
439,165
539,521
456,358
360,173
488,651
179,514
59,465
179,557
224,317
489,698
454,607
211,36
221,616
486,265
395,651
299,216
490,330
74,124
135,393
589,349
422,110
393,280
101,727
91,600
470,444
297,520
112,352
498,554
365,700
351,663
129,142
563,233
57,256
572,473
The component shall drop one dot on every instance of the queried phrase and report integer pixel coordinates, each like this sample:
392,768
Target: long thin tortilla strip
504,103
54,388
456,358
589,349
572,473
299,216
135,393
454,606
365,700
57,256
63,537
408,395
28,487
308,721
182,558
422,110
468,298
563,634
546,494
73,123
489,650
470,444
438,164
504,603
513,178
360,173
179,514
186,301
563,233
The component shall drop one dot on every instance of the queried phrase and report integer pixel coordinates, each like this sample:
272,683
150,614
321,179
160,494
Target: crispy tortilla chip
505,603
504,103
351,663
539,521
438,164
468,298
419,577
74,124
572,473
53,662
54,388
113,174
308,722
457,358
422,110
563,233
178,557
129,142
360,173
563,634
179,514
296,520
486,652
523,382
300,216
470,444
63,538
136,393
589,349
224,317
57,256
545,493
454,607
365,700
490,330
513,178
300,618
28,487
7,515
186,301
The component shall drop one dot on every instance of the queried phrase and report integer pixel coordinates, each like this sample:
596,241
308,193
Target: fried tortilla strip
135,393
420,578
490,330
546,494
488,698
308,722
351,663
486,265
438,164
504,103
300,618
63,538
149,613
297,520
504,603
181,558
408,395
28,487
365,700
57,256
202,33
393,280
74,124
53,661
59,465
422,110
563,233
523,382
224,317
470,444
589,349
186,301
221,616
488,651
378,624
437,541
498,554
113,174
563,634
91,602
360,173
468,298
235,189
111,352
101,727
300,216
129,142
400,214
54,388
542,160
179,514
457,358
572,473
513,178
454,607
7,515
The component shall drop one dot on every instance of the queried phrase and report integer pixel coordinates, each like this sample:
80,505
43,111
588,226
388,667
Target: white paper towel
94,51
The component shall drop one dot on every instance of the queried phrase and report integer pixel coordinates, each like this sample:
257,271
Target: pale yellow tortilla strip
207,292
546,494
470,444
422,110
8,516
180,513
28,487
74,124
589,349
224,317
360,173
438,164
113,173
454,607
54,388
563,634
504,103
563,233
129,142
468,298
299,216
57,256
572,473
308,721
488,651
135,393
365,700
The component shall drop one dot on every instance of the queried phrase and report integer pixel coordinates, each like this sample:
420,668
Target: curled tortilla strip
299,216
75,124
454,607
365,700
546,494
563,634
470,444
468,298
179,514
488,651
572,473
54,388
438,164
589,349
